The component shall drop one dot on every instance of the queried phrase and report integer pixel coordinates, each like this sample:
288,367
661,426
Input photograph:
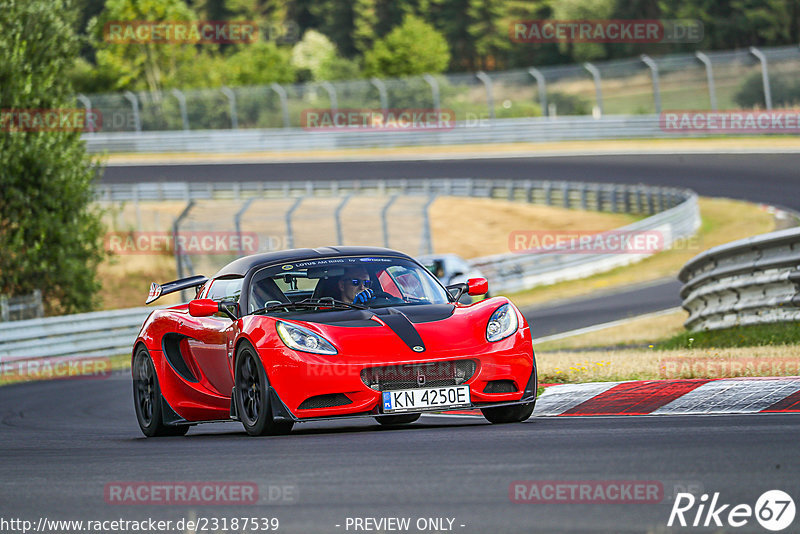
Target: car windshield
357,281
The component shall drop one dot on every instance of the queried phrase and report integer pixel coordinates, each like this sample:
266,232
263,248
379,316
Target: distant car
271,340
451,269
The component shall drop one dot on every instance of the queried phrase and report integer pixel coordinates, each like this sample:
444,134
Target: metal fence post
487,83
182,104
639,199
237,222
4,313
656,84
289,229
764,75
434,90
331,95
584,199
598,197
565,194
614,198
87,105
712,94
278,88
426,246
381,87
231,96
137,122
542,85
137,208
176,226
337,214
38,304
547,191
626,199
598,89
384,219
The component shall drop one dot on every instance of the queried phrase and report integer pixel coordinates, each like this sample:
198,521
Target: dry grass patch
650,364
472,227
723,220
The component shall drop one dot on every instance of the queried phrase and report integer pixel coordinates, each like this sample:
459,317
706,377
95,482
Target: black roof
241,266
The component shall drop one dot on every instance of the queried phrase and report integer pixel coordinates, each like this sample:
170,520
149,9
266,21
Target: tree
740,23
259,63
315,57
584,10
50,234
142,65
414,47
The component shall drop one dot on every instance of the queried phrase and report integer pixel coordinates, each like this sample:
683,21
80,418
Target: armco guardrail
749,281
83,335
525,130
516,272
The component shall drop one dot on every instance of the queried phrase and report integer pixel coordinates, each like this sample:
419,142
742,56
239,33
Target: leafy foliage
49,234
414,47
785,90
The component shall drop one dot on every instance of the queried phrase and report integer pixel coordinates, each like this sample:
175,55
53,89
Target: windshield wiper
332,302
309,304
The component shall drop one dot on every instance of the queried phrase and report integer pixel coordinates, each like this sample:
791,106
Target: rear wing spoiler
157,290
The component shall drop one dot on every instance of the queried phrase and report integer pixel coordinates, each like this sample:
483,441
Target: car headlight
299,338
502,323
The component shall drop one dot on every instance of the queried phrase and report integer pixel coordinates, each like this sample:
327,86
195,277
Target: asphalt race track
757,177
63,441
602,307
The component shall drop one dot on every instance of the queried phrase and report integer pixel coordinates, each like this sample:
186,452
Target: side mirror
477,286
203,308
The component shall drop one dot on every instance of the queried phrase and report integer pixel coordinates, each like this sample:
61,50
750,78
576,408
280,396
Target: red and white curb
672,397
697,396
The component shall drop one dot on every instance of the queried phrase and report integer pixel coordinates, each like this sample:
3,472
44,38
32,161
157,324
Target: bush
414,47
785,91
567,104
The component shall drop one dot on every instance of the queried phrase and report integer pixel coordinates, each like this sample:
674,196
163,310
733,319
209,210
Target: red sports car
299,335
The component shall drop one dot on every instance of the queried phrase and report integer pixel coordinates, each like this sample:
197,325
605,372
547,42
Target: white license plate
410,400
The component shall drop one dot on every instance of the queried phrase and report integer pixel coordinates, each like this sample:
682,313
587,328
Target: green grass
741,336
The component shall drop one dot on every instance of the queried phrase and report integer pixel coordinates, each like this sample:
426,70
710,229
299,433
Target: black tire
402,419
508,414
251,396
147,398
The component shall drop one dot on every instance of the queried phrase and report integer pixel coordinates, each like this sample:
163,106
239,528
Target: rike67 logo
774,510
